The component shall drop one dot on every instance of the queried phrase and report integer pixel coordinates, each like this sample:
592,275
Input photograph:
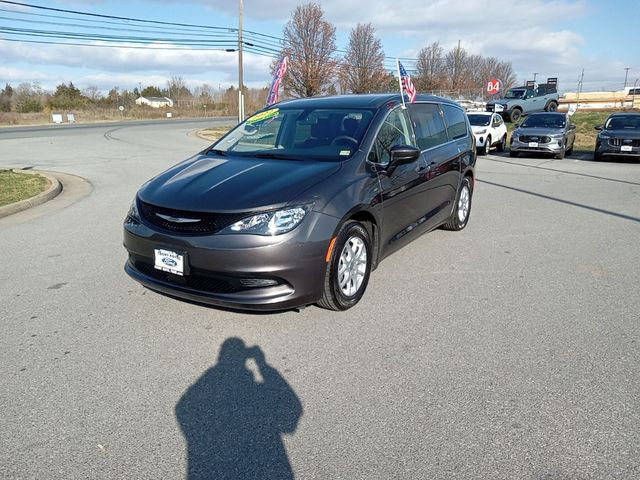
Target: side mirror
598,127
401,154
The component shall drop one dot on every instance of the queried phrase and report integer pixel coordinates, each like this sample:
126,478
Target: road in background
508,350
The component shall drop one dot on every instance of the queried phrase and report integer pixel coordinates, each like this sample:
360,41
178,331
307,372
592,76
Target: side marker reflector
332,244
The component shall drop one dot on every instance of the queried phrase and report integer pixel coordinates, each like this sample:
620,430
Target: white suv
489,130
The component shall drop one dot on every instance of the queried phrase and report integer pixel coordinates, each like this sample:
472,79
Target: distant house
155,102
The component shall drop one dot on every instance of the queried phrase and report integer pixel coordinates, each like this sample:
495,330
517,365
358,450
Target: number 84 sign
494,86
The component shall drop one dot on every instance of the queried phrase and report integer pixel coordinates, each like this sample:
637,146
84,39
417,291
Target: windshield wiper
222,153
272,155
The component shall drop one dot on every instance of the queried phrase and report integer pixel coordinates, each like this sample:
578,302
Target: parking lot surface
510,350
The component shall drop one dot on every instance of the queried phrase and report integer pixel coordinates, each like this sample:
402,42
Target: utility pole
240,72
626,74
535,74
579,89
633,99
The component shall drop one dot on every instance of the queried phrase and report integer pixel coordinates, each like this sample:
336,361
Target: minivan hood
219,184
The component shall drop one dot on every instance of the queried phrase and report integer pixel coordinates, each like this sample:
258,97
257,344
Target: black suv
619,136
298,204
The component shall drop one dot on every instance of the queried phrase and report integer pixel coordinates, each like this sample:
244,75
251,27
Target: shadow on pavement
233,422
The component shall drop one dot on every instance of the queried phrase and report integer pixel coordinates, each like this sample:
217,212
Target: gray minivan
299,203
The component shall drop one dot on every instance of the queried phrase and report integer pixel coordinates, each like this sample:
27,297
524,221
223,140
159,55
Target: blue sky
552,37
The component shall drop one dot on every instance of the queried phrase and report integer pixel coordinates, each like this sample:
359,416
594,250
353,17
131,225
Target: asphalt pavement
509,350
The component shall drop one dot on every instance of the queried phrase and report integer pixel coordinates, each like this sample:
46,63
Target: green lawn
585,133
20,186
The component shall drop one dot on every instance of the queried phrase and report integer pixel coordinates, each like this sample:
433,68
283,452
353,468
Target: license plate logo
169,261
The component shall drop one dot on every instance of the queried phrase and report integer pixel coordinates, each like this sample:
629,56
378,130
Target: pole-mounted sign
494,86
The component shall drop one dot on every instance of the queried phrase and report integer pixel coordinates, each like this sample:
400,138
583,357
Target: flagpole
400,82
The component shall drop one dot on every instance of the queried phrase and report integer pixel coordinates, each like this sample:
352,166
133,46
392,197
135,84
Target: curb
55,187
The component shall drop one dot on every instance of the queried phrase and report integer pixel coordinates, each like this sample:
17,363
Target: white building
155,102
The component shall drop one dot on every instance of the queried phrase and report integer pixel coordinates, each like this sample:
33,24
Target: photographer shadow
233,423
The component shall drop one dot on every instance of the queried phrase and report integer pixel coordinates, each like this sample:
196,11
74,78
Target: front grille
619,142
193,223
205,282
534,138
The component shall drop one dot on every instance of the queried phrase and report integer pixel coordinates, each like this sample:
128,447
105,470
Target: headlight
482,132
133,216
270,223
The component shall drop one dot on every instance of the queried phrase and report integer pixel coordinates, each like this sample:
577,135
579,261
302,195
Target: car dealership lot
508,350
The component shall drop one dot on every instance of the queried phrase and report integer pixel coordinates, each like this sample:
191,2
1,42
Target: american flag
274,91
407,84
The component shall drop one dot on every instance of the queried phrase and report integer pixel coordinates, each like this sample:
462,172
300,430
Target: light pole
240,72
633,99
535,74
626,74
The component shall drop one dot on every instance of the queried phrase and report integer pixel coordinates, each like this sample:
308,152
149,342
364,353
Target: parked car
489,130
544,133
519,101
298,204
619,136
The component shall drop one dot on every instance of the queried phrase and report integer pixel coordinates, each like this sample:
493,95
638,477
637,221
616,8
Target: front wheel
503,143
487,147
460,215
551,107
515,115
349,267
512,153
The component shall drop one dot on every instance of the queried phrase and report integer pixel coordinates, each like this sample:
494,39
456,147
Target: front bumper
230,270
607,150
551,147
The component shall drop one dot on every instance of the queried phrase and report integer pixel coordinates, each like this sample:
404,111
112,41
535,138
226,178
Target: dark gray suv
298,204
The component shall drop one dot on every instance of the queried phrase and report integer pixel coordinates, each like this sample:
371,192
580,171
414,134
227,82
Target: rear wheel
460,215
515,115
348,270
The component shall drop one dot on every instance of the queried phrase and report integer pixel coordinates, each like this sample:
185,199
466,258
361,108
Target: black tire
512,153
515,115
597,157
455,223
487,147
332,297
569,152
552,106
559,156
503,144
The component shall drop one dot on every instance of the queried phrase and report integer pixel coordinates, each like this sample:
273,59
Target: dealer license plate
625,148
533,144
168,261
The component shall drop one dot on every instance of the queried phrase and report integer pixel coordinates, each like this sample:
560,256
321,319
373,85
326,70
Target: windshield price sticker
263,116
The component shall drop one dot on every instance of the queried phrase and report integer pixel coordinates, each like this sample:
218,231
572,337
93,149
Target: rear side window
430,128
456,121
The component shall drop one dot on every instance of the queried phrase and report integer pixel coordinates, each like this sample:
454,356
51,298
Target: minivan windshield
545,120
623,122
330,134
478,120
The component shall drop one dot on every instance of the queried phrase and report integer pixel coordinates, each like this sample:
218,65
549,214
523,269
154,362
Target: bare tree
177,89
455,65
430,68
92,92
504,71
310,43
363,65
